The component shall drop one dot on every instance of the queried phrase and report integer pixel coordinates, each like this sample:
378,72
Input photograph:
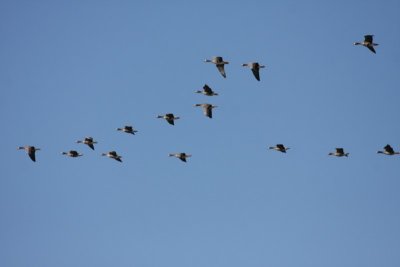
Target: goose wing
340,151
256,73
218,60
281,147
207,89
368,38
169,117
389,149
182,157
370,47
91,145
221,69
207,110
31,153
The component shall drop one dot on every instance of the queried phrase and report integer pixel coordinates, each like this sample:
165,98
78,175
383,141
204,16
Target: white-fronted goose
88,141
255,68
206,91
127,129
181,156
219,62
207,109
169,117
368,43
112,155
388,150
339,153
280,148
72,154
30,150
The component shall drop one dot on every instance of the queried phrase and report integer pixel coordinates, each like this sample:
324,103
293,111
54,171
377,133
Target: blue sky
71,69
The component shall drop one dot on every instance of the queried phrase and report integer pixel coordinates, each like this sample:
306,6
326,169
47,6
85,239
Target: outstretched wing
370,47
207,89
256,73
221,69
340,151
389,149
368,38
170,121
208,111
31,154
281,147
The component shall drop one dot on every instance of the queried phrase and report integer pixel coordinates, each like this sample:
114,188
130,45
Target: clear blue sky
70,69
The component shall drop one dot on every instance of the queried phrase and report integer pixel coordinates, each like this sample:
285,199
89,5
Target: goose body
207,109
169,117
30,150
206,91
88,141
112,155
368,43
280,148
127,129
182,156
339,153
72,154
220,63
388,150
255,68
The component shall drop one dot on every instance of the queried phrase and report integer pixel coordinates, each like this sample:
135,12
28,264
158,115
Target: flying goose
30,150
339,153
368,43
255,68
388,150
169,117
88,141
280,148
207,109
219,62
127,129
206,91
112,155
72,154
181,156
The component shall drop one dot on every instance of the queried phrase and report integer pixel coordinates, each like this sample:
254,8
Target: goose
206,91
339,153
368,43
181,156
112,155
30,150
388,150
280,148
219,62
87,141
207,109
255,68
169,117
127,129
72,154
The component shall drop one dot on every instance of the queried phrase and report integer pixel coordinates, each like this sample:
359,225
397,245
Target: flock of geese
207,110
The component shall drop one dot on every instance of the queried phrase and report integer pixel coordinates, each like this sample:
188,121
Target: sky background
70,69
